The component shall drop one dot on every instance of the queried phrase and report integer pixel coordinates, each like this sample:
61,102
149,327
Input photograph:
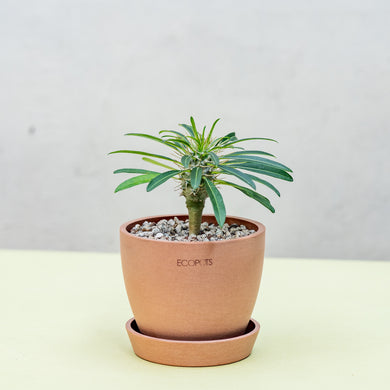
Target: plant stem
195,204
195,216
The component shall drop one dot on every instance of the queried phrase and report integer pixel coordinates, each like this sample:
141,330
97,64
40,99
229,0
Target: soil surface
178,230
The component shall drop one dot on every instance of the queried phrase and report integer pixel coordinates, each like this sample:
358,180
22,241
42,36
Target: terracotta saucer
192,353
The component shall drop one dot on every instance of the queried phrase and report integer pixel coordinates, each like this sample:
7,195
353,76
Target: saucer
192,353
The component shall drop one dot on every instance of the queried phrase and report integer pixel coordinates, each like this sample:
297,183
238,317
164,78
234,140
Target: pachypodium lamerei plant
198,162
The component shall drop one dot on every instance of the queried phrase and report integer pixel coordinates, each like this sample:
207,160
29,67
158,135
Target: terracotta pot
192,290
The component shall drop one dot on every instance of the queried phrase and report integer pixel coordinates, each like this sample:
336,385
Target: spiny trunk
195,205
195,210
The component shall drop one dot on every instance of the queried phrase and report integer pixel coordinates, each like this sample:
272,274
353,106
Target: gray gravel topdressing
175,229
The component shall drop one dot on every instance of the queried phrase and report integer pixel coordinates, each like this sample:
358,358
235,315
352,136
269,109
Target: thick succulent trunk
195,210
195,204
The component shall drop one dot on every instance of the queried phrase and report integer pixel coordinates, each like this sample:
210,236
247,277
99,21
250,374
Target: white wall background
76,75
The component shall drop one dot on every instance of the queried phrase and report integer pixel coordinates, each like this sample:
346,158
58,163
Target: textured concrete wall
76,75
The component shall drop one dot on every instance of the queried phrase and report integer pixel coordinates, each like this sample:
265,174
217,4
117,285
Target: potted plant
192,280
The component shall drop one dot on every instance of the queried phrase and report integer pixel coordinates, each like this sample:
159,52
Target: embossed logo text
194,262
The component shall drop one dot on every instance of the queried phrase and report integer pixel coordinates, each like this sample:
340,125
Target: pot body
192,290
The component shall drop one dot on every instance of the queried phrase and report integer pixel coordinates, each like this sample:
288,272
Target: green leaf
160,179
152,137
179,136
211,131
196,177
177,133
134,181
252,194
244,152
144,154
194,128
214,158
134,170
179,144
188,128
182,144
261,160
185,160
264,170
147,159
203,132
217,201
241,175
249,139
219,143
266,183
229,136
223,139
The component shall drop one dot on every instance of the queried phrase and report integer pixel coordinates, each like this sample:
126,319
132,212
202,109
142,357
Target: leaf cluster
201,162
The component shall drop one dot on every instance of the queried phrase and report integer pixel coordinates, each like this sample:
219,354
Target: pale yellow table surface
325,324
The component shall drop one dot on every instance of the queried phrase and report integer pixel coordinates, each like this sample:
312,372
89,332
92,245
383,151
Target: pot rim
123,230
